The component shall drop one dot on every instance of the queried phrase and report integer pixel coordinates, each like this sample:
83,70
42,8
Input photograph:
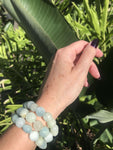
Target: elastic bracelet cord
38,133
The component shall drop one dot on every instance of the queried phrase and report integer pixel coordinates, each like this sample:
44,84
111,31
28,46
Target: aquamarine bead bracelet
38,133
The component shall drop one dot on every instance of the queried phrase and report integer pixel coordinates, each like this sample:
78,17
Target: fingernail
95,43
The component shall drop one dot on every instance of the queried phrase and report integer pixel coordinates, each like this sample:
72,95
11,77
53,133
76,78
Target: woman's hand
68,75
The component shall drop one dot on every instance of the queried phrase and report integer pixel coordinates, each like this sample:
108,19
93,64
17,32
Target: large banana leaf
43,23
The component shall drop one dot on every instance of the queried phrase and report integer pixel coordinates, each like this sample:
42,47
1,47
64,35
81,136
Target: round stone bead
14,118
27,128
41,143
33,107
47,116
49,138
23,112
54,130
18,110
40,111
33,135
20,122
25,104
31,117
37,125
44,132
51,123
43,146
29,103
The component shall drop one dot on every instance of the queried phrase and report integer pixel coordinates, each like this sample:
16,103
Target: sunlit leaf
43,23
102,116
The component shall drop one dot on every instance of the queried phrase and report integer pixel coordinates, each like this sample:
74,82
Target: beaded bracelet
40,134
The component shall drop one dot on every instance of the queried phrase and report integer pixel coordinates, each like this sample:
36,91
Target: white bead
37,125
41,143
47,116
54,130
33,135
20,122
44,145
31,117
49,138
51,123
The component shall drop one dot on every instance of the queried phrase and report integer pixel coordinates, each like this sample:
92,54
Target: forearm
66,78
15,138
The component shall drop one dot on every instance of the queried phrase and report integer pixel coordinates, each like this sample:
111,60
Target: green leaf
93,123
43,23
92,16
106,137
102,116
6,126
104,17
80,12
98,7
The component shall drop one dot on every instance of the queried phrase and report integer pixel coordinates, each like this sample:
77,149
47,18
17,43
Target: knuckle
59,53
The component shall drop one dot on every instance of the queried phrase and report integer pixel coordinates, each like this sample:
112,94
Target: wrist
51,105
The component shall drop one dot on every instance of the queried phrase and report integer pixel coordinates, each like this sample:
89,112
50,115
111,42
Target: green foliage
22,69
20,61
103,116
45,28
93,21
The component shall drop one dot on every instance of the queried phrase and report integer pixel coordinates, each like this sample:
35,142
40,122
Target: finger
93,70
86,84
86,58
79,46
99,53
76,47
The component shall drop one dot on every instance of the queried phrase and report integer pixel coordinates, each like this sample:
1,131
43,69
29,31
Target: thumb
86,57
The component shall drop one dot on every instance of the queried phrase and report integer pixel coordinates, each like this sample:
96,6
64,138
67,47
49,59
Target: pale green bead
29,103
40,111
51,123
43,146
41,143
18,110
31,117
49,138
44,132
14,117
47,116
33,135
20,122
23,112
33,107
37,125
54,130
25,104
27,128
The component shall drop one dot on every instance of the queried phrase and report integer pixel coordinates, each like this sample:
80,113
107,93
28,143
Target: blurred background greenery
22,70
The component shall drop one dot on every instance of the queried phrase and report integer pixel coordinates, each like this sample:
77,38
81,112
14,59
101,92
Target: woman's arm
65,80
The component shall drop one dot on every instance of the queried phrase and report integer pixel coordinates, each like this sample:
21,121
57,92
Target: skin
64,81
